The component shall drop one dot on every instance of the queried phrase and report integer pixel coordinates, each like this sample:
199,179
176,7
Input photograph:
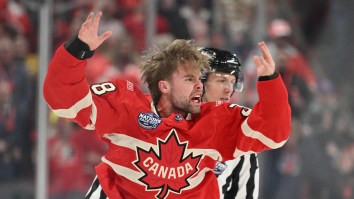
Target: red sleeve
241,130
65,88
268,125
68,94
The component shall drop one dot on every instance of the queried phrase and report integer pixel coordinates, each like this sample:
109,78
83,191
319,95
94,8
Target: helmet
226,62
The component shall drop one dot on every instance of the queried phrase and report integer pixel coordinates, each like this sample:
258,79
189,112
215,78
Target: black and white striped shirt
240,179
95,191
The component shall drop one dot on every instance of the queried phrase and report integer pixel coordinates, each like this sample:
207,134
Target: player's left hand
265,63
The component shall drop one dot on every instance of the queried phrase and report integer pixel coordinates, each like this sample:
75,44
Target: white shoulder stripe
248,132
77,107
93,118
89,127
129,142
124,171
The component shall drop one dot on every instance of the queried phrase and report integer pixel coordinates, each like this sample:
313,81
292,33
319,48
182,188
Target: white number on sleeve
246,112
100,89
232,105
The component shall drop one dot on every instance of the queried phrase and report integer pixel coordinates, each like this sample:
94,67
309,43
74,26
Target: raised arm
268,125
65,88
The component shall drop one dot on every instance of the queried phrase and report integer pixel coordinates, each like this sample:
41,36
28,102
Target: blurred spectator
60,31
292,64
125,7
13,70
317,174
14,15
178,25
280,32
7,126
311,16
198,19
340,149
134,23
299,93
289,167
70,156
232,21
17,16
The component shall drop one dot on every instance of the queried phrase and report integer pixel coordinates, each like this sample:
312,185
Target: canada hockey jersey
153,157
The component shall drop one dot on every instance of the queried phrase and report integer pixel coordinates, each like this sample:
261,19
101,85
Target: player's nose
199,85
228,87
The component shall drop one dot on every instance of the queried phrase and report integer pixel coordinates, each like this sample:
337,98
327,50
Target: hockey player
238,178
167,148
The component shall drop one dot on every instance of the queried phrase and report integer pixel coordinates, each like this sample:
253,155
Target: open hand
265,63
89,29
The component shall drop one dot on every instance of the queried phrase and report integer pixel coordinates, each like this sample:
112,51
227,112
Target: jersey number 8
100,89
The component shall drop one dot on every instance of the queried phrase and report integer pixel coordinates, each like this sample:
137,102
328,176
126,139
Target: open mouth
196,98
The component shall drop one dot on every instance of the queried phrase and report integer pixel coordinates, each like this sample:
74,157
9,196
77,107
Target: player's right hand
89,30
265,63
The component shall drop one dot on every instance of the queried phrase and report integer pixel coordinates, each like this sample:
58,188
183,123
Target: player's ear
164,86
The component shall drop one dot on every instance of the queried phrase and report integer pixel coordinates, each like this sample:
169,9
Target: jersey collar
154,110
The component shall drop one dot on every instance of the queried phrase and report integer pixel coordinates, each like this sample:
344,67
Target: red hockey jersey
153,157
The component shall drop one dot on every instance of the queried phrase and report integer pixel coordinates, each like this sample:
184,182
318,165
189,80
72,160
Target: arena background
42,156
